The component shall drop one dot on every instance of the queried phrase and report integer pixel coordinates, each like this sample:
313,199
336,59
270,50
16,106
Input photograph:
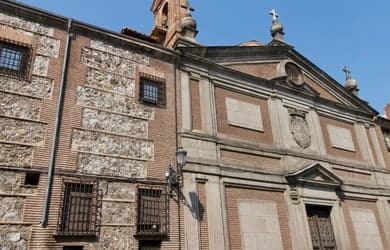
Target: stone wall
118,216
12,183
11,209
14,237
15,155
21,99
113,140
24,132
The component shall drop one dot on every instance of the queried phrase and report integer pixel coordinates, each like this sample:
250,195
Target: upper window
152,91
79,209
14,58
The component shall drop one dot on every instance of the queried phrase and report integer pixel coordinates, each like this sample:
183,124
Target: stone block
26,25
48,46
341,138
111,82
115,238
107,62
200,149
126,53
111,166
366,229
39,87
19,106
14,237
243,114
15,155
118,190
112,145
118,213
41,66
11,209
259,224
111,102
24,132
100,120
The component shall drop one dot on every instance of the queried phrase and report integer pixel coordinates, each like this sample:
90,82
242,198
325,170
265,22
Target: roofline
340,89
87,26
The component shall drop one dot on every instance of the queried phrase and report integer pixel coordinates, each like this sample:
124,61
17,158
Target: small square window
14,58
152,92
31,179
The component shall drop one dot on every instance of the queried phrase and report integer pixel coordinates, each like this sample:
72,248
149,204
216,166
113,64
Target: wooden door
321,230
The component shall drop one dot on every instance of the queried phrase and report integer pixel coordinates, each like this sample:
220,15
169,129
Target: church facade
278,154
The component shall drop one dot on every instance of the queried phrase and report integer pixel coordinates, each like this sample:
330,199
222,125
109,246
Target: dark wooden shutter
321,230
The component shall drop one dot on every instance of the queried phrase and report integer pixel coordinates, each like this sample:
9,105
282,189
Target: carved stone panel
299,128
341,138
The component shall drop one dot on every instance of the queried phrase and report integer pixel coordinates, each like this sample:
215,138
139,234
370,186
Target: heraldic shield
300,129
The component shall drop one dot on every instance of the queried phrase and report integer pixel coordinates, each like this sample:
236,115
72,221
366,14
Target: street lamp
174,176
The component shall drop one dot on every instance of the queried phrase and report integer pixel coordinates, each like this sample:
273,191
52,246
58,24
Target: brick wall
237,132
233,194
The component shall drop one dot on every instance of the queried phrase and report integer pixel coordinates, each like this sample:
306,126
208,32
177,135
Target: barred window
79,209
152,213
152,91
14,58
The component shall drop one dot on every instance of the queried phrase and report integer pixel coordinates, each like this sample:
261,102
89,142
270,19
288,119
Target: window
152,91
31,179
152,219
79,209
14,58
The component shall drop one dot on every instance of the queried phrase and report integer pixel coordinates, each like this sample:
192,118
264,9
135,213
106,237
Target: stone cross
188,7
274,15
347,72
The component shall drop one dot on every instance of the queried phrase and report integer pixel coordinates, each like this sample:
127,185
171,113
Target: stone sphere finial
276,27
350,83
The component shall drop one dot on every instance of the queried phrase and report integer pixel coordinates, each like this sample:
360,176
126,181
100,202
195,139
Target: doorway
321,229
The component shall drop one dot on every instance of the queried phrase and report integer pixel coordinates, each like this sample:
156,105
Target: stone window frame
152,213
158,84
71,200
26,51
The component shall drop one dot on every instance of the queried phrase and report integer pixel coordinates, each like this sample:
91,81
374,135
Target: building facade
279,154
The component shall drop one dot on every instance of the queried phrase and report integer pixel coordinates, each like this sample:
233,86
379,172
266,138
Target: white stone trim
378,149
185,101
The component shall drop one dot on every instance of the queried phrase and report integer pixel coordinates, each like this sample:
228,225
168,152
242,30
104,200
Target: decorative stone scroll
299,128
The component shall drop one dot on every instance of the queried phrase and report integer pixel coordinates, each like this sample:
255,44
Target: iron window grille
81,207
153,213
15,58
152,90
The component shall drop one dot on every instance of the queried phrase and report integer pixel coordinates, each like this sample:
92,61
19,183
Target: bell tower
173,23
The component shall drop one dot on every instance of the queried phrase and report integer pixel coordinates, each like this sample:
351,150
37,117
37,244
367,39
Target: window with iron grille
14,58
152,91
152,221
80,206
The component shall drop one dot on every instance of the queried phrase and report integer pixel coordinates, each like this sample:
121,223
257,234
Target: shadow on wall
195,206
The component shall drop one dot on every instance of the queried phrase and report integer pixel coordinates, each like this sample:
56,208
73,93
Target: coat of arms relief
299,128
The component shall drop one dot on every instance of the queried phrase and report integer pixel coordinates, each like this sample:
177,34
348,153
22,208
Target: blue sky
330,33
